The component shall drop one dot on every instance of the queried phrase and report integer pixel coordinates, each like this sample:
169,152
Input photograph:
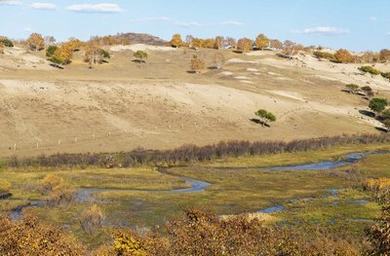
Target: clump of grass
369,69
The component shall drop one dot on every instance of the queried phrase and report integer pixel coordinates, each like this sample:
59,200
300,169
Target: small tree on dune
378,105
218,42
344,56
265,117
352,88
368,91
36,42
197,64
176,41
244,45
262,42
140,56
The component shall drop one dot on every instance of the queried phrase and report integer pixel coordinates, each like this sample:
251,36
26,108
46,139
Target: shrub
324,55
91,219
51,50
6,42
384,55
386,75
176,41
36,42
262,41
5,186
344,56
378,104
265,116
1,49
63,55
386,114
31,237
197,64
369,69
386,123
368,90
95,55
200,233
352,88
244,45
56,190
140,56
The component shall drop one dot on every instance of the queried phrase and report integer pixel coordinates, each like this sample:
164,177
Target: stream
87,194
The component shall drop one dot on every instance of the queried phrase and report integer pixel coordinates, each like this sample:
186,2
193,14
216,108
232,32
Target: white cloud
325,31
373,18
95,8
232,23
151,19
10,2
188,24
43,6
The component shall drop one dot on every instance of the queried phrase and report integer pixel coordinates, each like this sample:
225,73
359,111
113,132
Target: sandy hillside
123,105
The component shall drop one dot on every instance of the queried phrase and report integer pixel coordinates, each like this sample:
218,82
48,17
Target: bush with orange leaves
176,41
200,233
344,56
91,219
36,42
197,64
244,45
56,190
31,237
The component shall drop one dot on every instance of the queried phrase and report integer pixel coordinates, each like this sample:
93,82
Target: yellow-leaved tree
36,42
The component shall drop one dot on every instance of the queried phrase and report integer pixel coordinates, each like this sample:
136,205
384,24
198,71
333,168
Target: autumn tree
197,64
218,42
62,55
6,42
265,117
176,41
230,42
276,44
262,42
344,56
244,45
95,55
384,55
140,56
36,42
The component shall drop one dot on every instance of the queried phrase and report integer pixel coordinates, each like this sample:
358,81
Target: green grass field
141,197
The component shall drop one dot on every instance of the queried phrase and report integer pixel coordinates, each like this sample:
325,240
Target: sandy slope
122,105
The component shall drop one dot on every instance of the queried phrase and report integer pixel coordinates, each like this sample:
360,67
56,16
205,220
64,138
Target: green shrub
6,42
352,88
386,75
378,104
105,54
370,69
51,50
324,55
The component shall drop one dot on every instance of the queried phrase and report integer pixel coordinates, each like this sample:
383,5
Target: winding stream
87,194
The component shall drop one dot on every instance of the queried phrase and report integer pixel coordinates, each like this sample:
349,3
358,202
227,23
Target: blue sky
353,24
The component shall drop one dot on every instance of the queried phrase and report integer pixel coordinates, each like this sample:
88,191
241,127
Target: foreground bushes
192,153
30,237
200,233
